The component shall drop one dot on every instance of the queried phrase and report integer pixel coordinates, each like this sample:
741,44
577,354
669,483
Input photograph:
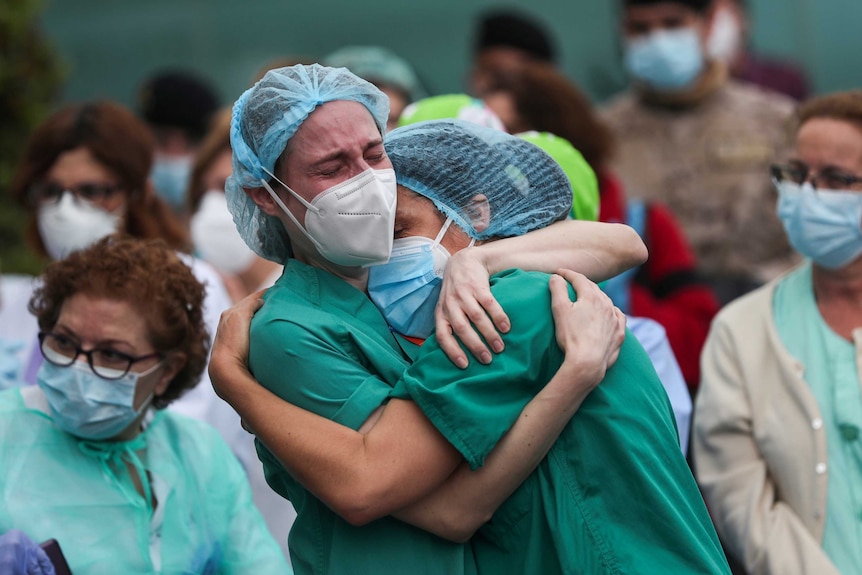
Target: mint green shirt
614,494
320,344
831,371
54,485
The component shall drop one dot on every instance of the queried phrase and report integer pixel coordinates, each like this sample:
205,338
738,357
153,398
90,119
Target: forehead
334,126
414,207
827,141
659,12
76,166
94,319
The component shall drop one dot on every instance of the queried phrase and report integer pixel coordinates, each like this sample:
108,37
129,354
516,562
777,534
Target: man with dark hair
178,106
506,39
700,143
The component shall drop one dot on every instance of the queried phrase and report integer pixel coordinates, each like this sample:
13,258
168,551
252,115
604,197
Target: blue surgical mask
667,59
170,176
406,288
88,406
823,225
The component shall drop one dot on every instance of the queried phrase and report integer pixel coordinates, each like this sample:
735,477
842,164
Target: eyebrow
337,154
101,344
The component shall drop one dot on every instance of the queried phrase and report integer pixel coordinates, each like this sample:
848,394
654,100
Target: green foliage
30,77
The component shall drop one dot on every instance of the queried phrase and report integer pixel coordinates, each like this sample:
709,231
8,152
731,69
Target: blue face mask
171,176
407,287
666,59
88,406
823,225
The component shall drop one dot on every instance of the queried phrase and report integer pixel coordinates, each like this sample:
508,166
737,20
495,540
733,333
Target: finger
463,328
493,310
481,322
579,282
560,300
449,344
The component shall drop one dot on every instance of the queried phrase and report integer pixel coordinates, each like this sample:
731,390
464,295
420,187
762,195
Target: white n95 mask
351,224
72,224
215,236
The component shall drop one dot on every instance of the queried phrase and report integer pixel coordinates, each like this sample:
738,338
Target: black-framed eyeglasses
107,363
51,192
827,179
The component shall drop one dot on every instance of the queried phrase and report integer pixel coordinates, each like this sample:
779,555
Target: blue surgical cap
452,161
264,119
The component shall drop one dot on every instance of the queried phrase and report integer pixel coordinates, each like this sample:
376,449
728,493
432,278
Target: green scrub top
614,494
831,373
55,485
320,344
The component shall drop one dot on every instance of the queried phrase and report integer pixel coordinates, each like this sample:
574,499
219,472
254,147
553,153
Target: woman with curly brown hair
82,176
90,456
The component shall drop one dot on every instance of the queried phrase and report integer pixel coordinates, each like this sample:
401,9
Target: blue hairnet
380,66
264,119
452,161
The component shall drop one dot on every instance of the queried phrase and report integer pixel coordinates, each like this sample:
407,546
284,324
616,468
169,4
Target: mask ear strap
442,232
289,214
299,198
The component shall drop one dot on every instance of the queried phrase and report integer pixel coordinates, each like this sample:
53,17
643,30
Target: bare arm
360,476
403,458
466,306
468,498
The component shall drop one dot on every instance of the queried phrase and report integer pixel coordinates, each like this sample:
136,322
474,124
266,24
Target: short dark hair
515,29
698,5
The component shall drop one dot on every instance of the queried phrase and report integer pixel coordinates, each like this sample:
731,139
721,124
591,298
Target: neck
711,79
256,274
355,276
842,286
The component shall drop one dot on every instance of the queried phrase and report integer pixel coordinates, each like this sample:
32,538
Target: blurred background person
667,287
506,39
214,235
82,176
777,444
18,328
700,143
217,241
729,42
393,75
91,458
178,106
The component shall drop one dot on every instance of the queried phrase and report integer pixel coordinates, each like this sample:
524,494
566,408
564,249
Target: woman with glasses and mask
91,458
83,174
777,442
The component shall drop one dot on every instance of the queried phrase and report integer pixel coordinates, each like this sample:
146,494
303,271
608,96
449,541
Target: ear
264,201
172,366
479,211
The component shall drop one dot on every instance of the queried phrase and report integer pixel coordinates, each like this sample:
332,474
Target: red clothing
666,288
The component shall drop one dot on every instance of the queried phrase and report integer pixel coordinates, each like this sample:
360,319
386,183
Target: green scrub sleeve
473,408
303,365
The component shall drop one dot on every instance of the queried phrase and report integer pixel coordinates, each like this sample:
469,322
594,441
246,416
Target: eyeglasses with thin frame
828,179
107,363
45,193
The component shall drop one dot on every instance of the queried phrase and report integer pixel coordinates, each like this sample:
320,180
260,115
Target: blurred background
58,52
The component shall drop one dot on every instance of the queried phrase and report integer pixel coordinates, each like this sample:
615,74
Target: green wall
110,45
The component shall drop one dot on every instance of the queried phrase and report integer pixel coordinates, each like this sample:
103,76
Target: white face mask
351,224
725,38
72,224
215,236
